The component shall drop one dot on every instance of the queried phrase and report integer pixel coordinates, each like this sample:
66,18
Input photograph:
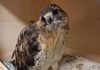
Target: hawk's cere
41,45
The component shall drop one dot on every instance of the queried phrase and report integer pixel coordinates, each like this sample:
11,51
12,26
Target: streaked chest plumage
52,49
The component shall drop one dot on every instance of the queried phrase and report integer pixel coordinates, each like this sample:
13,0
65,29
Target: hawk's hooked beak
50,20
46,23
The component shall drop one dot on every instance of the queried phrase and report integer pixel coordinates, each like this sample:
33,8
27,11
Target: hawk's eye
55,12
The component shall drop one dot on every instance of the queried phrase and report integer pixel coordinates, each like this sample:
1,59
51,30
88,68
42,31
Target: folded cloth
78,63
67,63
7,65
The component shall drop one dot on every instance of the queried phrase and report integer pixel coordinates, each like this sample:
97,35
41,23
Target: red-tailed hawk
41,45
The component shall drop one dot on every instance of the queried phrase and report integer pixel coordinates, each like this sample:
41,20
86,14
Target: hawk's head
53,17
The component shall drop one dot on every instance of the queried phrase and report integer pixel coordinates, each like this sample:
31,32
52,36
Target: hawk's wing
26,48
